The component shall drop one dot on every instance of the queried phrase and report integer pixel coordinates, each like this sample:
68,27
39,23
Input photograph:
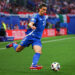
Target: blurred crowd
58,6
62,6
13,8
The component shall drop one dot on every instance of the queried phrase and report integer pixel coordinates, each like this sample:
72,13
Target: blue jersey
39,23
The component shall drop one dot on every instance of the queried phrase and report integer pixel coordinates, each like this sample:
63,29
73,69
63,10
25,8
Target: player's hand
33,27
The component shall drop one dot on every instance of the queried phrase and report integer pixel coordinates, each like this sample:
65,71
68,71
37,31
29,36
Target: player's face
43,10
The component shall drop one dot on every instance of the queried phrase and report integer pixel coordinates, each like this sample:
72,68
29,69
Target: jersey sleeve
34,19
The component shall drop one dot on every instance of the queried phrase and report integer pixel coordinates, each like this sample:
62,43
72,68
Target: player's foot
37,67
10,45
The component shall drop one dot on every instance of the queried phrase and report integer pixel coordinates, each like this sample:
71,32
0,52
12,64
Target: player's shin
35,59
15,46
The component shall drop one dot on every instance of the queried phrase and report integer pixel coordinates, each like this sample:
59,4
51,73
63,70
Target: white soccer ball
55,66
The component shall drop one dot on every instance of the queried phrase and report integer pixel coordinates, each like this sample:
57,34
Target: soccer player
34,34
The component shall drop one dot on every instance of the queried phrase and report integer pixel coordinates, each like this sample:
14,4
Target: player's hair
42,5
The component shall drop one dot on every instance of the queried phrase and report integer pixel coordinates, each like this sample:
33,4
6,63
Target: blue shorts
28,40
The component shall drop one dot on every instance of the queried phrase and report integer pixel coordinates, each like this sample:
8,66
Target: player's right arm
32,22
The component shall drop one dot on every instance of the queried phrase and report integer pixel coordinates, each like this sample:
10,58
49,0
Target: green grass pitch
55,49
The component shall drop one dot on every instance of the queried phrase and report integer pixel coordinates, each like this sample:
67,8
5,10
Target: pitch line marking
57,40
2,48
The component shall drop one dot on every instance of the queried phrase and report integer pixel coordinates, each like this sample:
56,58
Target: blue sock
15,46
35,59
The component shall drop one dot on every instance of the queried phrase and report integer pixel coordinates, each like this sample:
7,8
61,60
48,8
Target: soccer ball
55,66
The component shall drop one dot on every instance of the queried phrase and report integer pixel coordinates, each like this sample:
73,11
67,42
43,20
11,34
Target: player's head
42,9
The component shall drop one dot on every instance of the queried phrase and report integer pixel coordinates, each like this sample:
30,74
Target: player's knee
38,52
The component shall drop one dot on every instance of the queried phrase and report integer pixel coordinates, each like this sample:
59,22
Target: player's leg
38,51
37,46
16,47
24,43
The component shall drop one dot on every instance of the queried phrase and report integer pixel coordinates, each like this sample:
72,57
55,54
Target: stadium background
15,15
58,42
